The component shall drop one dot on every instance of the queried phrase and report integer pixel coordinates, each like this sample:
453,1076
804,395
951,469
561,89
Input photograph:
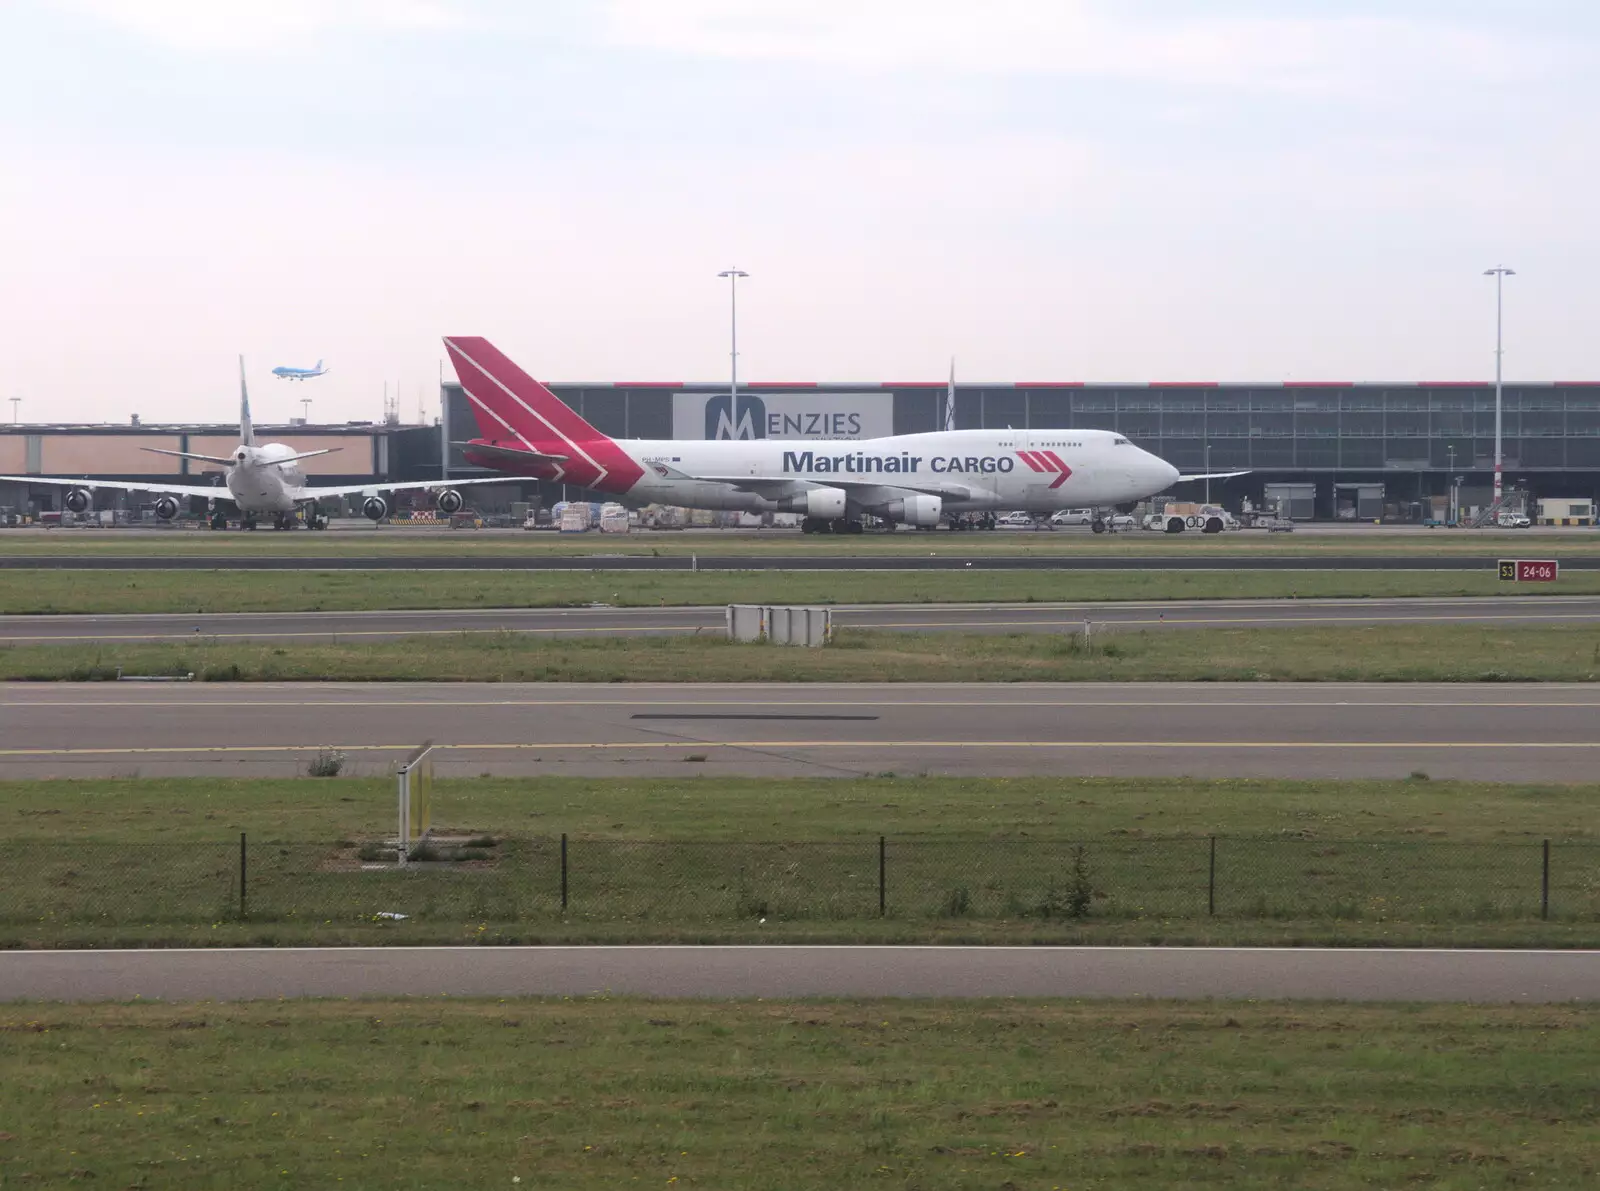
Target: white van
1073,517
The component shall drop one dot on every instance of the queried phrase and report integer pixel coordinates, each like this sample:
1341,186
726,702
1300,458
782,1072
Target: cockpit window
1119,442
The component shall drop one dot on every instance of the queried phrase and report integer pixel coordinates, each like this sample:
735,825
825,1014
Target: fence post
244,911
563,872
1544,884
883,887
1211,880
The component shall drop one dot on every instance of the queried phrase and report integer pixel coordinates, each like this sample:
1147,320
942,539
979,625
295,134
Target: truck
1178,516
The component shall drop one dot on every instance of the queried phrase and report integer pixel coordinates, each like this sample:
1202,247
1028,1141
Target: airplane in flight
918,479
284,372
261,478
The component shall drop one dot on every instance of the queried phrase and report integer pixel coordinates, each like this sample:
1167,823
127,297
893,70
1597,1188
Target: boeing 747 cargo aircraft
261,478
918,479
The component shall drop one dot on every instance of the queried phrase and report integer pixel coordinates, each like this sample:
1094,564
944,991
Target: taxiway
334,627
1300,973
1524,733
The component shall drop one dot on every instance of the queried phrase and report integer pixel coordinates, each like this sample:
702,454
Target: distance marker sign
1524,570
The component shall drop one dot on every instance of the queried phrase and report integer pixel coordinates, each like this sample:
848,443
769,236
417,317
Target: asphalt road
940,561
333,627
1527,733
1377,974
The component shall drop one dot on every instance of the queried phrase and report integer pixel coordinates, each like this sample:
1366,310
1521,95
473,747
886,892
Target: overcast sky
1051,190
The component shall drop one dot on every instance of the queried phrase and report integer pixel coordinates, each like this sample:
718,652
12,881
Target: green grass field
398,540
775,1095
180,811
52,591
1376,653
156,862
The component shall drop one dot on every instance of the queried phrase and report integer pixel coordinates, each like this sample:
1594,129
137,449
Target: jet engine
920,509
449,501
375,507
166,508
824,504
79,500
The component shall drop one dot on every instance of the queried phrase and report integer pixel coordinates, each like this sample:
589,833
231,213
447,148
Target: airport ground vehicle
1073,517
1097,519
1182,516
1509,520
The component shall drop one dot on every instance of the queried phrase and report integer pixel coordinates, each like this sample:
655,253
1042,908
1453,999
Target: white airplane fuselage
916,479
260,485
1036,470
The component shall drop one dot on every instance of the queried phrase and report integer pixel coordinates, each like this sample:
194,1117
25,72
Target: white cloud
1343,54
264,24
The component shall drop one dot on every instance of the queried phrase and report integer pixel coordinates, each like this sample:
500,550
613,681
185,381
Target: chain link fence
685,881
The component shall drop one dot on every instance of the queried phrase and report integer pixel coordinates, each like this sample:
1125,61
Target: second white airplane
918,479
261,478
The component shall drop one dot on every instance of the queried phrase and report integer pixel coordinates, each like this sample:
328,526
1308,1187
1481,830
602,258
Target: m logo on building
747,419
779,414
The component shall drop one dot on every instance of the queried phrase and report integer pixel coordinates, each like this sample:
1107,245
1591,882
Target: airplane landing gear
219,520
247,522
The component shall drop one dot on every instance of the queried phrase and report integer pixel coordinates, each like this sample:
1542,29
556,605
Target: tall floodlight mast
1499,273
733,276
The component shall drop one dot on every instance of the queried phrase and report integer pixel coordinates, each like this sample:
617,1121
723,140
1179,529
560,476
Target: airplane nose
1161,473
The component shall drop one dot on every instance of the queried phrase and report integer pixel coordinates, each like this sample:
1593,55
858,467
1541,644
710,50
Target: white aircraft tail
247,432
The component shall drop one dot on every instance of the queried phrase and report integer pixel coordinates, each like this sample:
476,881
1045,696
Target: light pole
16,403
1208,473
733,276
305,409
1499,273
1450,504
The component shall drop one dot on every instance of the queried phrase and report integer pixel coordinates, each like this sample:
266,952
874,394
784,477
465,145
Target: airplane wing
189,455
210,492
510,454
1215,475
314,492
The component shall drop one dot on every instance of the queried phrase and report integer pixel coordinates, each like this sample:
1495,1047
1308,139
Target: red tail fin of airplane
513,408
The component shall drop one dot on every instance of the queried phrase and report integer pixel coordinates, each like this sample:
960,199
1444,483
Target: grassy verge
156,862
50,591
1372,653
768,1095
179,811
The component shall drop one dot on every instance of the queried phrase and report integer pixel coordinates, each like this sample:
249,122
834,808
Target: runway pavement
333,627
1377,974
1527,733
1198,560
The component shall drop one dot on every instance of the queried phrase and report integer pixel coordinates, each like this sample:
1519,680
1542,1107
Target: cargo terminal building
1322,450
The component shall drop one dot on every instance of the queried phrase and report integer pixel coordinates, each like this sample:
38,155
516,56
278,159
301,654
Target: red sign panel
1537,572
